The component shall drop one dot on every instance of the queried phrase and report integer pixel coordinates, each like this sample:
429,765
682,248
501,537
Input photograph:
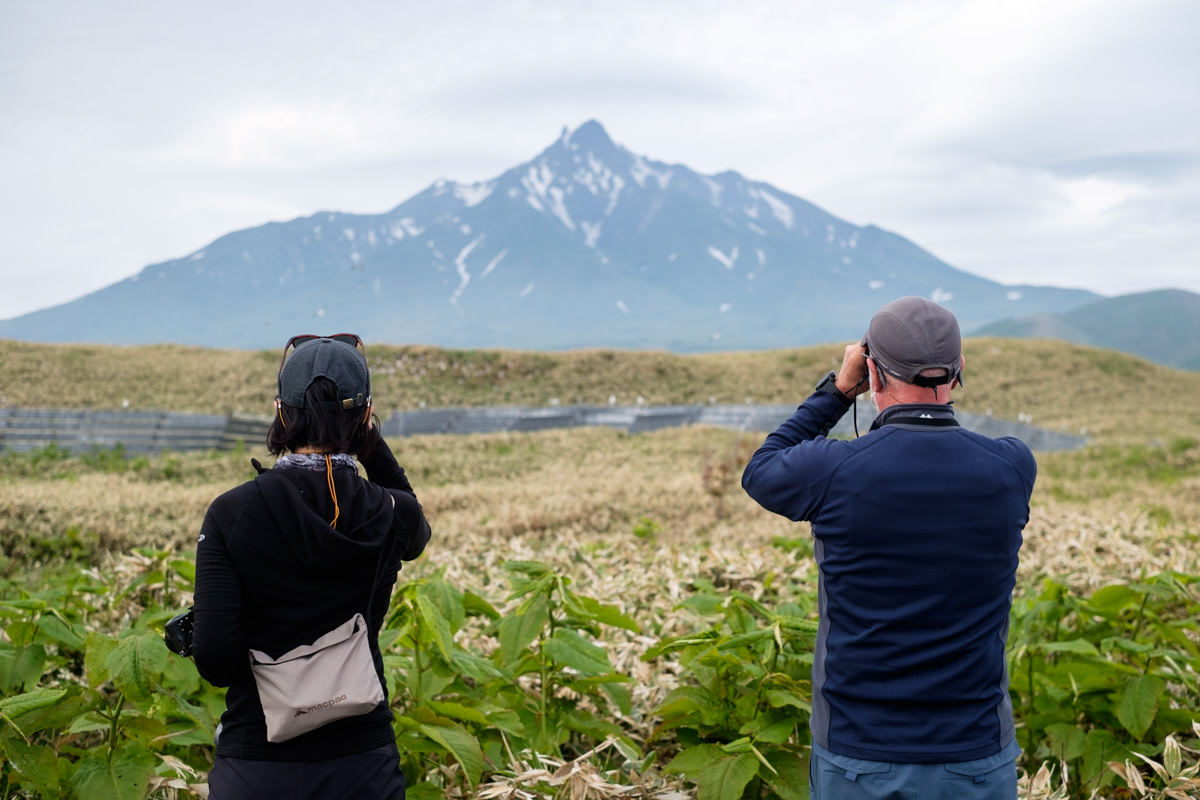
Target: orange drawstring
332,491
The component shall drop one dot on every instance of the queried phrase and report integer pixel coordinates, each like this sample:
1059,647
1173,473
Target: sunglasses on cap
351,339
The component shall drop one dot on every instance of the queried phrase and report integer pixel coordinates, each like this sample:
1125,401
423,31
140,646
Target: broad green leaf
23,605
460,744
86,723
436,625
744,639
124,778
504,719
1102,747
779,698
21,666
590,725
1067,742
517,631
589,608
1070,646
95,659
136,664
21,632
568,648
1125,645
689,701
620,696
475,605
764,731
677,643
534,569
692,759
474,667
37,763
790,778
458,711
1139,703
60,630
15,706
725,778
1110,600
448,600
62,712
186,569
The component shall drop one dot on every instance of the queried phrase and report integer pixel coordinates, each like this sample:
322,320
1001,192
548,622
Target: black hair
314,426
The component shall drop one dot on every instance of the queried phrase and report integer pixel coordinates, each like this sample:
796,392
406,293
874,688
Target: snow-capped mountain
586,245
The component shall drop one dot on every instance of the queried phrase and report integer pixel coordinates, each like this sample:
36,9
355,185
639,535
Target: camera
178,633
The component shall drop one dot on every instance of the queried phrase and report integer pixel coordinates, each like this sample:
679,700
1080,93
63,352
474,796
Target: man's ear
962,366
876,375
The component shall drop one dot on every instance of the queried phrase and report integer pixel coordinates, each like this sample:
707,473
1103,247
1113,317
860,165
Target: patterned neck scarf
315,462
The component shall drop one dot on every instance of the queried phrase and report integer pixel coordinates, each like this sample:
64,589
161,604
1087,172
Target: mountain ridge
1162,326
586,245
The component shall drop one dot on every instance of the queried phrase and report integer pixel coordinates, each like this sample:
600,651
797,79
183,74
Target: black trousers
372,775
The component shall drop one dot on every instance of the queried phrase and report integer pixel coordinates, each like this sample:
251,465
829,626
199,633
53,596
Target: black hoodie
271,574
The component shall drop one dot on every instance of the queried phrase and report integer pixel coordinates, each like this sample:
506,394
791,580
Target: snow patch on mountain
460,266
639,170
728,260
399,228
591,232
558,206
782,211
474,194
491,265
714,188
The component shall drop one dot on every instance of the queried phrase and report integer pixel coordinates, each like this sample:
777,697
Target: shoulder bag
315,684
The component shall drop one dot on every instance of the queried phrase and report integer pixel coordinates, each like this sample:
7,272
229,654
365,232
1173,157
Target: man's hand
852,377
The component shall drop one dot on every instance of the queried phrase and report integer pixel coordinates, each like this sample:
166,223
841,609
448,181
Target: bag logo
319,706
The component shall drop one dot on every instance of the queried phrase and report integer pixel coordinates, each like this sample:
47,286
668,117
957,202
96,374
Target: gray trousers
835,777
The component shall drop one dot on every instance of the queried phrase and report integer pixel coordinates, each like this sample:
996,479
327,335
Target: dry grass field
633,518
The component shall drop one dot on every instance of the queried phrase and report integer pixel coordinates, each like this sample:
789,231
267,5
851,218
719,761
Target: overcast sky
1054,143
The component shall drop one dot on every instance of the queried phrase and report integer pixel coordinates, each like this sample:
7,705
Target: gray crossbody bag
315,684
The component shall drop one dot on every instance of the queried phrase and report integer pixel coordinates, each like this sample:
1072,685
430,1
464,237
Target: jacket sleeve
788,473
409,523
218,640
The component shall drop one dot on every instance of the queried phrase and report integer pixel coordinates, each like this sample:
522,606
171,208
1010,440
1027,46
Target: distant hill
1105,395
1161,326
585,245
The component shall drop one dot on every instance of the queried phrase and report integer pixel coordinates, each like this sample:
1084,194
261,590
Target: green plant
127,709
1104,678
741,716
547,686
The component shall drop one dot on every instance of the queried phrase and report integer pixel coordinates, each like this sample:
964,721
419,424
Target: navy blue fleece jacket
917,525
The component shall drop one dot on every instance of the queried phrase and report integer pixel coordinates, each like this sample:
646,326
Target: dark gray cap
325,358
913,334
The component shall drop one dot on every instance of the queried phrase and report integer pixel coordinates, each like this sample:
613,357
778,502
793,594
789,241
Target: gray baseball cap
912,334
330,358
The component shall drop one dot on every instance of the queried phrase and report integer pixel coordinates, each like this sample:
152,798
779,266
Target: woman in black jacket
293,554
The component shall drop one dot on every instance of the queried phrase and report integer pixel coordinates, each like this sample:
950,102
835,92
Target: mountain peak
588,136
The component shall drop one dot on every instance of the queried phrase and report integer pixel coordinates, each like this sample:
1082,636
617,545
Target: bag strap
383,548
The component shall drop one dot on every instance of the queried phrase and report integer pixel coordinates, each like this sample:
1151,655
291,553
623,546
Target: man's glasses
351,339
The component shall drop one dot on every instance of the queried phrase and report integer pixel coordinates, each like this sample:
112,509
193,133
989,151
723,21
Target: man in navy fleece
917,526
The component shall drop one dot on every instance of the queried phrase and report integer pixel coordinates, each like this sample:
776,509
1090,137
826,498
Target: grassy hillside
1114,398
1163,326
